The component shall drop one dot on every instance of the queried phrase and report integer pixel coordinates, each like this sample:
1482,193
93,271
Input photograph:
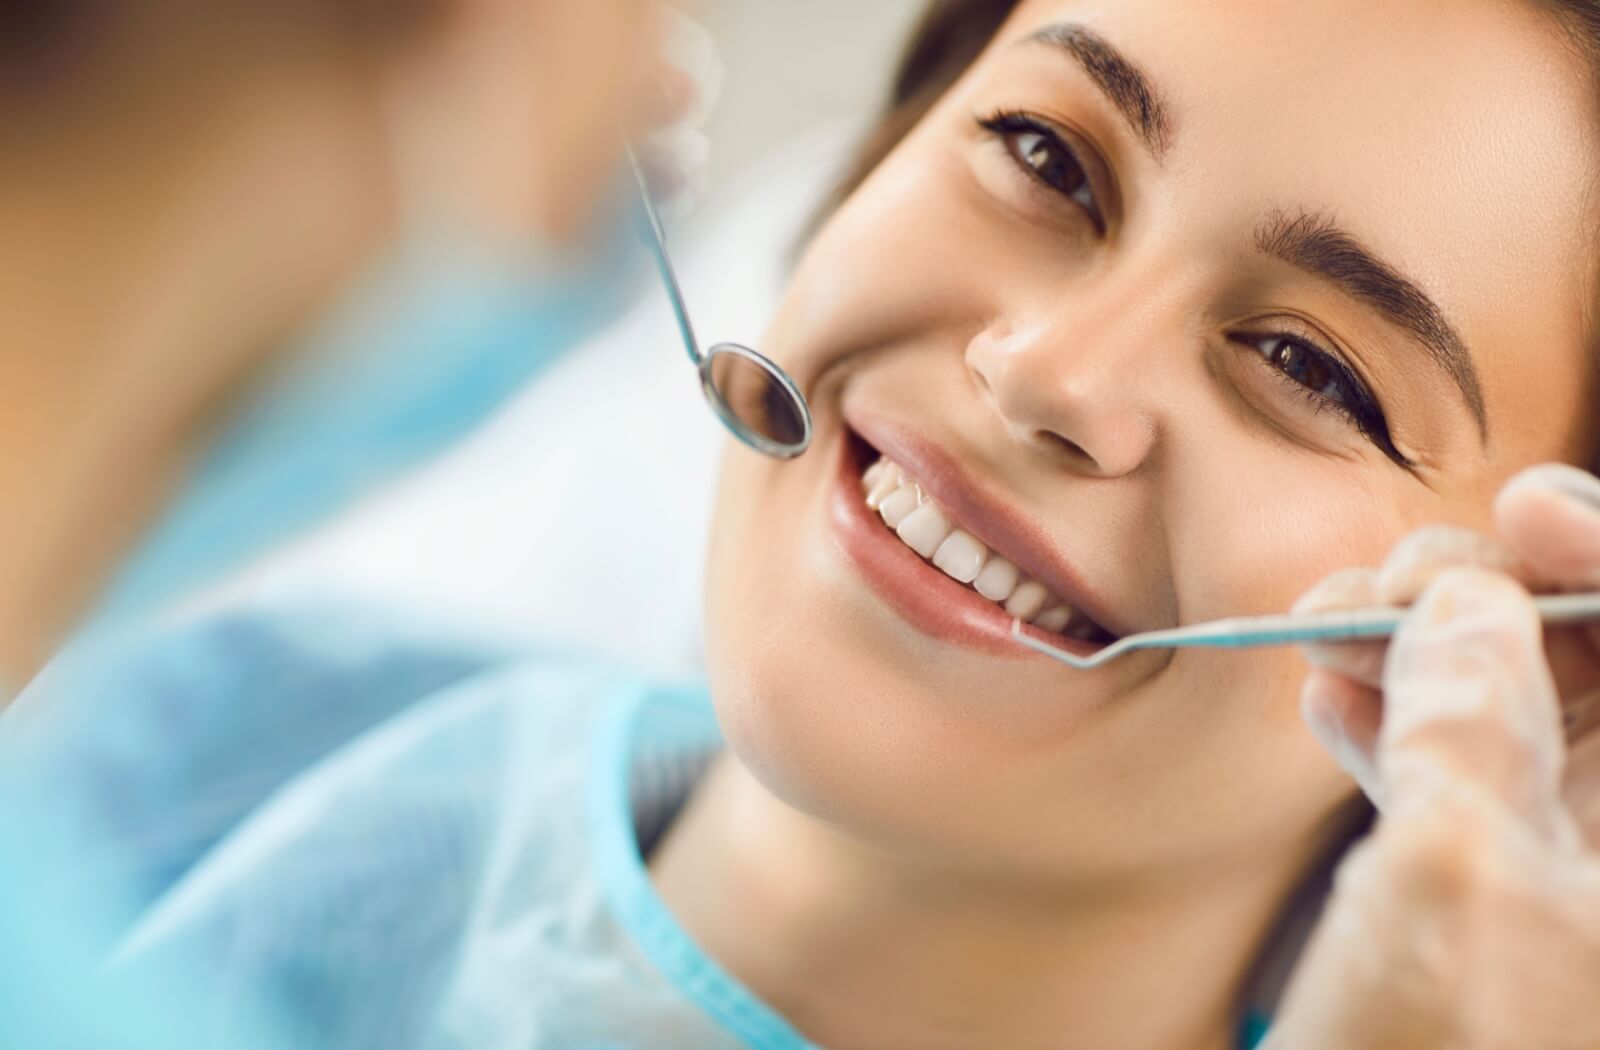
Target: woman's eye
1310,368
1328,383
1044,156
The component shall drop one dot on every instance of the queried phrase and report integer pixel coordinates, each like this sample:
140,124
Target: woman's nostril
980,380
1063,446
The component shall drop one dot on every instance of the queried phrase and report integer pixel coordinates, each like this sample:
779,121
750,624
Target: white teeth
887,482
960,557
924,529
1027,601
897,505
1053,619
997,580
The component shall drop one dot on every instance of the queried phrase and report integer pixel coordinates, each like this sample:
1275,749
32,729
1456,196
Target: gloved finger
1550,516
1345,716
673,150
1415,561
690,50
678,170
673,99
1470,708
1346,589
1411,565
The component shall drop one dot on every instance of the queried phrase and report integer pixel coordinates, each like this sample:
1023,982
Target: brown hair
948,39
953,33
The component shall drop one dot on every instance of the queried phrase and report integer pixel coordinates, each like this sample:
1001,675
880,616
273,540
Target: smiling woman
1130,316
1177,309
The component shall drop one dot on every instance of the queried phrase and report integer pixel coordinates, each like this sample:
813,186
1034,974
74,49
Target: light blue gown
349,828
321,825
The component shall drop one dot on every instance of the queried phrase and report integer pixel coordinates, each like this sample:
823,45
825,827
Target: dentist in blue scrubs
258,259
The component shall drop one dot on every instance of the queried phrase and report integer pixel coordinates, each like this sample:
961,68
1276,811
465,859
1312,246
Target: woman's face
1179,308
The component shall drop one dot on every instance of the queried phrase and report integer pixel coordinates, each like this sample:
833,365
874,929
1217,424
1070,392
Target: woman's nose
1073,389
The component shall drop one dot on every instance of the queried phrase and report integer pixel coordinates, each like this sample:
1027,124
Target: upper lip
997,524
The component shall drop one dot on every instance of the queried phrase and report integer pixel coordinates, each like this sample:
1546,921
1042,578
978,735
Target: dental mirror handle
656,239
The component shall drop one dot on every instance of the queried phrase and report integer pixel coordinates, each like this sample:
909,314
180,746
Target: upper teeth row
923,527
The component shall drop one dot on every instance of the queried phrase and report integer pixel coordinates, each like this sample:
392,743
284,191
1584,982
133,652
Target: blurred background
589,493
577,514
774,51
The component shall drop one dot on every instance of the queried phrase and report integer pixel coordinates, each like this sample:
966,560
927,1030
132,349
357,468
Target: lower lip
924,597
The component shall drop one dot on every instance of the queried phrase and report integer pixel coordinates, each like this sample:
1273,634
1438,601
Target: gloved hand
670,142
513,119
1471,916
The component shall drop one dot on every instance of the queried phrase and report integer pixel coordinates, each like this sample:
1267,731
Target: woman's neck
862,949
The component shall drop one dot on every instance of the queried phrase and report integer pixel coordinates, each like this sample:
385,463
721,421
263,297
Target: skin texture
181,203
906,821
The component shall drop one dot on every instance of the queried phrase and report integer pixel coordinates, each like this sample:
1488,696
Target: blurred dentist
259,258
220,220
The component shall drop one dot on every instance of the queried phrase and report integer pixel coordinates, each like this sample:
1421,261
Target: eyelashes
1043,154
1327,383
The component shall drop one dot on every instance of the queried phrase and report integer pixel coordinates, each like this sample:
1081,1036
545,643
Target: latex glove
1547,537
671,141
508,119
1471,916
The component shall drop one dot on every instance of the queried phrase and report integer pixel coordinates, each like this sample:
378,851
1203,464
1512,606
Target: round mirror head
756,400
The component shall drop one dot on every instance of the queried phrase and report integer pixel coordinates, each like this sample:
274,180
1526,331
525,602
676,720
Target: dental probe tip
1079,662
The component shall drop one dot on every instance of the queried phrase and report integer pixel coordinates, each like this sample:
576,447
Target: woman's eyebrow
1308,241
1315,244
1128,88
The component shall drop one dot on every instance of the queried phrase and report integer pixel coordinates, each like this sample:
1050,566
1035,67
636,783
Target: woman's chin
842,704
889,753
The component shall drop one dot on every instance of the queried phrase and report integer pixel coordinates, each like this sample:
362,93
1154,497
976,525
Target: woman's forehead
1456,138
1417,107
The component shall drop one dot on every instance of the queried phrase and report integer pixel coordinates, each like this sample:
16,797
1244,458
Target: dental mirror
755,399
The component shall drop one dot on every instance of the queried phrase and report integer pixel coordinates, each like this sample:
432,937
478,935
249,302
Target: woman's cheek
895,267
1297,517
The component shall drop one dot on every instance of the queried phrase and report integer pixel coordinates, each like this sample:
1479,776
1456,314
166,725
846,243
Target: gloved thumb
1550,517
1470,708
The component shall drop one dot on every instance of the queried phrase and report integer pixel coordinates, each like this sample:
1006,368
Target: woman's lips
1014,534
923,596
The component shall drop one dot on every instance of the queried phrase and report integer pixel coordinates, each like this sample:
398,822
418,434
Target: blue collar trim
630,893
1253,1030
626,884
